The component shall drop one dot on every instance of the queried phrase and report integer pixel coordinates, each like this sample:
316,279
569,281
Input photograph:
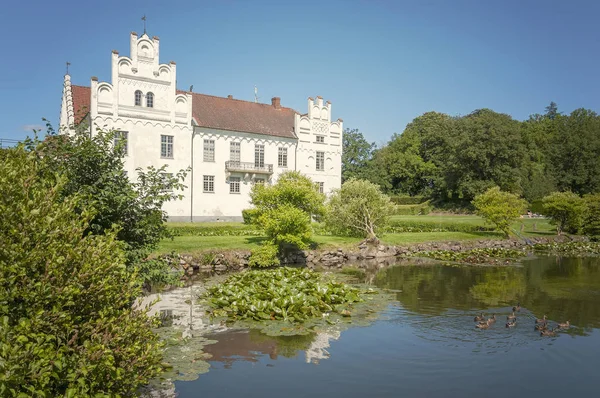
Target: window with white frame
282,157
234,184
122,137
138,98
259,155
321,187
208,184
320,161
234,151
209,151
166,146
320,139
150,100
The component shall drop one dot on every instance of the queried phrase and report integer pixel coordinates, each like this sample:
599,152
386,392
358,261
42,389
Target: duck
541,326
511,324
549,332
483,325
492,319
479,318
511,317
565,325
543,320
517,307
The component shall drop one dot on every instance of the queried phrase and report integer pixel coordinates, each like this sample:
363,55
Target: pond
424,344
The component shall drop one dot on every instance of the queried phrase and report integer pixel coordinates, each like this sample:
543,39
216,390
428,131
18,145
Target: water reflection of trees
562,288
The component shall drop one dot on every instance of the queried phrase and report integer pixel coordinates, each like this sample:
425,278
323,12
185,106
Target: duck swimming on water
517,307
479,318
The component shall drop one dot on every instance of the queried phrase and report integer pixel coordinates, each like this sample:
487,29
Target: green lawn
198,244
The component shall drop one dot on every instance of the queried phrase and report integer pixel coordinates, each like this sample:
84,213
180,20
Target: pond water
424,344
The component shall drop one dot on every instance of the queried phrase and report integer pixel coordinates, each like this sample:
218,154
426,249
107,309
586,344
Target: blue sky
381,63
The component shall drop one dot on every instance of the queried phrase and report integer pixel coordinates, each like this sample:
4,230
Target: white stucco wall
112,107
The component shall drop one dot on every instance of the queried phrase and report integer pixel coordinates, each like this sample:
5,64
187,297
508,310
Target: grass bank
201,237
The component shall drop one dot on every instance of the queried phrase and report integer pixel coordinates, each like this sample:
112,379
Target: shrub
566,210
250,216
499,208
591,224
264,256
214,230
358,208
67,326
407,200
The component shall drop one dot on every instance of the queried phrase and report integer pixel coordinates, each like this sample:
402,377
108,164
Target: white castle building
228,144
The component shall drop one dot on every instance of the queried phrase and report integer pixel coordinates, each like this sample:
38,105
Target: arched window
150,100
138,98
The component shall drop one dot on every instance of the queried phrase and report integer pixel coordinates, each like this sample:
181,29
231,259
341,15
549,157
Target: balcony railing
247,167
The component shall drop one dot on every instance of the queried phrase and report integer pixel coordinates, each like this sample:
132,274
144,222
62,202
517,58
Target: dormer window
150,100
138,98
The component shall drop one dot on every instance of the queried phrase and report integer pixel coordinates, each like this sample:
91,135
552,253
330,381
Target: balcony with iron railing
248,167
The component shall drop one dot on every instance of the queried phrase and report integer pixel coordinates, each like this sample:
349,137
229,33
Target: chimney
230,96
276,102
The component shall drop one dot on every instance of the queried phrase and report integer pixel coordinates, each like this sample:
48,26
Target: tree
566,210
284,211
591,224
358,208
356,154
499,208
93,167
552,110
67,326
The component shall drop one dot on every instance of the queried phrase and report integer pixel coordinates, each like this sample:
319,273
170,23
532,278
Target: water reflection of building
318,348
239,345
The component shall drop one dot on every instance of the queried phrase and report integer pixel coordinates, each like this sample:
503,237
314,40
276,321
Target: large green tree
566,210
499,208
357,152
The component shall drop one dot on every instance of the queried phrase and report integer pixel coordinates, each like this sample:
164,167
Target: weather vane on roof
144,19
68,63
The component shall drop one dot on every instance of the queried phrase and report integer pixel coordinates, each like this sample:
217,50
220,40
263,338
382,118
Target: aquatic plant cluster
578,248
474,256
289,294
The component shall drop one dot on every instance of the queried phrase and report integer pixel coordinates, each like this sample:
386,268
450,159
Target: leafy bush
286,226
264,256
407,200
290,294
566,210
67,326
430,225
250,216
358,208
93,167
499,208
413,210
591,224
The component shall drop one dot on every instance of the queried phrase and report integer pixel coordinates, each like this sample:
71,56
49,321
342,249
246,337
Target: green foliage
162,271
356,155
358,208
290,294
499,208
566,210
569,248
93,167
286,226
67,326
284,210
200,229
264,256
476,256
591,225
430,225
407,200
250,216
413,210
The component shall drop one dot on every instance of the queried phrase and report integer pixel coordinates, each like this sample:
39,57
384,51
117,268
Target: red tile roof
244,116
218,113
81,102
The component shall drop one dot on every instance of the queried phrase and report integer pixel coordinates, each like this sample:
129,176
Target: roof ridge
77,85
237,99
